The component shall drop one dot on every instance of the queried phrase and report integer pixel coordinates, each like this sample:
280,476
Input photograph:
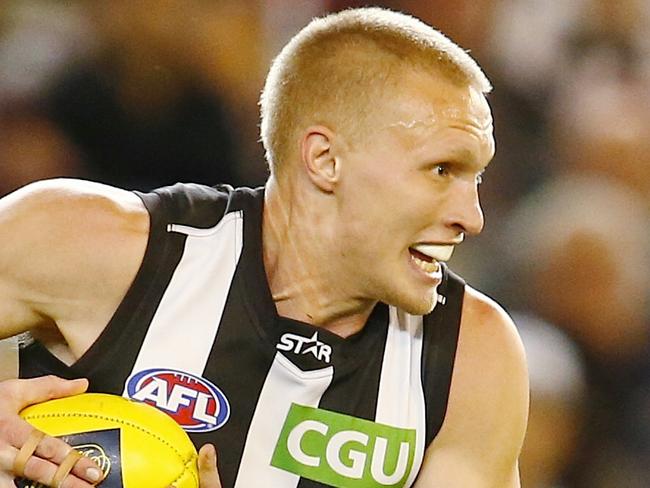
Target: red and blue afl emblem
194,402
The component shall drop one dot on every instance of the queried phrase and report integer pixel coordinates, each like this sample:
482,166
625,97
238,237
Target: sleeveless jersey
287,404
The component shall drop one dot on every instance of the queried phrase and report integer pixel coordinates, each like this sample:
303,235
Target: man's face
409,192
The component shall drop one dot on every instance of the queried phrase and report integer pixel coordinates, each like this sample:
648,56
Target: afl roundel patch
194,402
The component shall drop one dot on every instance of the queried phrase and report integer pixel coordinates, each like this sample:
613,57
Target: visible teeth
437,252
425,266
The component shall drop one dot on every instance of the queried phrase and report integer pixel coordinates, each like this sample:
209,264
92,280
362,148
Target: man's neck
303,272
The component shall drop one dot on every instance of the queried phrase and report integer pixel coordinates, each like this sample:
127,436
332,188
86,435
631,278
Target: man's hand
23,448
208,474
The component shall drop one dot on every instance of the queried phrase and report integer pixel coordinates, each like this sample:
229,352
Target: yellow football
135,444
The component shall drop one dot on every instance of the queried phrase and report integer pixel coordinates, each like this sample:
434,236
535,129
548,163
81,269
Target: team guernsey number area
343,451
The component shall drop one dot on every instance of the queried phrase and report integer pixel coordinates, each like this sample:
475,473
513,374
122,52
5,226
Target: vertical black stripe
241,357
238,365
441,330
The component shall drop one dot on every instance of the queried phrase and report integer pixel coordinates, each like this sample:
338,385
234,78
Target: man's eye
441,170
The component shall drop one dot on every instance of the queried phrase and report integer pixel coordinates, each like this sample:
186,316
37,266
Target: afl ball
135,444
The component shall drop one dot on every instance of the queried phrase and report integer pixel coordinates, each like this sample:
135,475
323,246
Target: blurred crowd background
150,92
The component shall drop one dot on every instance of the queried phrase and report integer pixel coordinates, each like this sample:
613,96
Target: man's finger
41,471
18,394
56,451
208,474
26,451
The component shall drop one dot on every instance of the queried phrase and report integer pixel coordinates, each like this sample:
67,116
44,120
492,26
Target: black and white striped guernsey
287,404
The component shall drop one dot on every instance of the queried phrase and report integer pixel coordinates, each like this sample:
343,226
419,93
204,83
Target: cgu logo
303,345
195,403
344,451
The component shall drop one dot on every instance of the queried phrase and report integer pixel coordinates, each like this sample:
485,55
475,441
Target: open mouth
425,262
428,256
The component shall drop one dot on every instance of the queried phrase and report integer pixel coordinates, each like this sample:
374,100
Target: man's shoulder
70,250
198,205
489,345
483,315
62,204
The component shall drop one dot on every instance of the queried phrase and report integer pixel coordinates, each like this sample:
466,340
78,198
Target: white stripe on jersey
400,401
186,322
285,384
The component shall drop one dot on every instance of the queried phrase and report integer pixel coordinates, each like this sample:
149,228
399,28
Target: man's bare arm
70,250
480,440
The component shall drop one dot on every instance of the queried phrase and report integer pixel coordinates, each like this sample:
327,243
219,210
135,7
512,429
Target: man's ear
322,165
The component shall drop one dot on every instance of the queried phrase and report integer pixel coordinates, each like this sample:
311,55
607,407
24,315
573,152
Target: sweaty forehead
438,110
431,98
429,113
439,104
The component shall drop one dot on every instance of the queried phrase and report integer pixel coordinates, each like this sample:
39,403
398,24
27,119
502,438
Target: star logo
303,345
312,345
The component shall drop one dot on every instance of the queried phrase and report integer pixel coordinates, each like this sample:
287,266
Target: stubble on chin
413,305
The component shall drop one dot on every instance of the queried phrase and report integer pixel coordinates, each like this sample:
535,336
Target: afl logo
195,403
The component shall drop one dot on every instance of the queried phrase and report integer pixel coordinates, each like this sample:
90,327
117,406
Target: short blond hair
335,69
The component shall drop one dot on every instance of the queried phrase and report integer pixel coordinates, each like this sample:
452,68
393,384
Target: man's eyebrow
462,155
467,158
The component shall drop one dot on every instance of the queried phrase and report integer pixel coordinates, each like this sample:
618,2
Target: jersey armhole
134,299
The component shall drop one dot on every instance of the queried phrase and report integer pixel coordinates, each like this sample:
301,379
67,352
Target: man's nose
464,212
